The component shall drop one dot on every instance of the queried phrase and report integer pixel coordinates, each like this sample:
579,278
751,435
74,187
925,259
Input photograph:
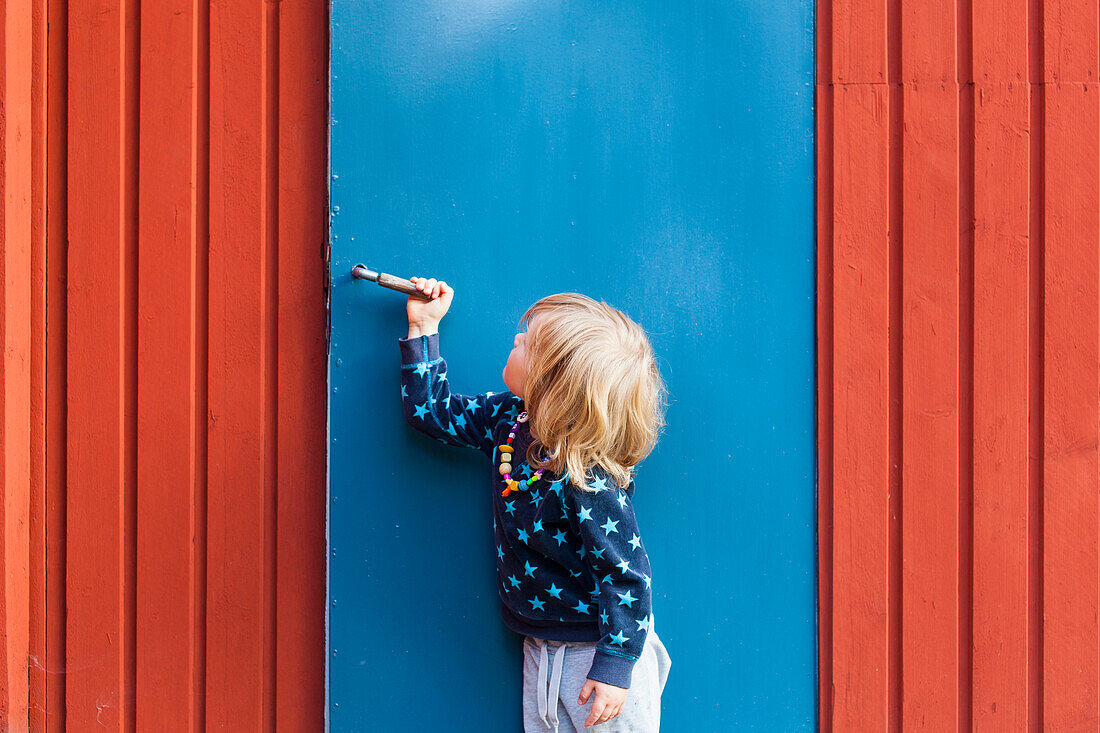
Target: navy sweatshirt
571,565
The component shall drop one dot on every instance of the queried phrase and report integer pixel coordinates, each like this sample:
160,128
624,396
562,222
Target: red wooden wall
163,395
959,193
162,481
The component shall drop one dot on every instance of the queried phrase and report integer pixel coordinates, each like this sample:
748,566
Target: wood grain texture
1071,662
930,441
239,486
1001,374
16,314
97,652
998,185
301,141
861,434
186,321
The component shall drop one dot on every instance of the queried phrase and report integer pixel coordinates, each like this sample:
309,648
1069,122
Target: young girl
584,406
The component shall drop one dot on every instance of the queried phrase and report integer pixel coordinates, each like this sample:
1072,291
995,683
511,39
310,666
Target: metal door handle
392,282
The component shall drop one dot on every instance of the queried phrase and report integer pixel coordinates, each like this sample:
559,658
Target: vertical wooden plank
238,419
167,618
861,428
1072,317
57,365
1071,46
302,363
931,402
15,374
36,653
1001,377
930,368
1001,466
95,632
928,43
859,41
1000,43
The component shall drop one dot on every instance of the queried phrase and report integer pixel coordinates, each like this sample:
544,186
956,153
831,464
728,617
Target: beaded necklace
506,454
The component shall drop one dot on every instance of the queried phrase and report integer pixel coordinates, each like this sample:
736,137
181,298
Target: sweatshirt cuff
611,669
419,348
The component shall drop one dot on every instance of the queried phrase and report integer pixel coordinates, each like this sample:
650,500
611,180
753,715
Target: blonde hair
593,389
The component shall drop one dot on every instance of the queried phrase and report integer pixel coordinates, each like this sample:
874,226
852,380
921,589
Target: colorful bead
507,453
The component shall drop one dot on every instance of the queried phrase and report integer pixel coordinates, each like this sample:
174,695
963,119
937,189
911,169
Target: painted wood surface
1018,80
163,467
629,151
20,376
957,331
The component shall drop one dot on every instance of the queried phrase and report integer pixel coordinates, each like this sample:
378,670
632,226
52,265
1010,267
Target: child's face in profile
515,371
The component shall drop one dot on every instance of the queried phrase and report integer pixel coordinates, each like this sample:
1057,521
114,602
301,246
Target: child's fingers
597,711
589,685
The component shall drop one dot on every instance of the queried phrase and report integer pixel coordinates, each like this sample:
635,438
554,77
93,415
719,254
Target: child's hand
608,703
429,312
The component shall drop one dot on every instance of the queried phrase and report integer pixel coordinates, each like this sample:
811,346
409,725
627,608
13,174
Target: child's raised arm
428,402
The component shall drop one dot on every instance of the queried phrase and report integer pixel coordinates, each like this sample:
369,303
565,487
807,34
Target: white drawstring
548,699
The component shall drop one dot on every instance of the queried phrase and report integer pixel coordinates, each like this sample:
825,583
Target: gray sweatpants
563,670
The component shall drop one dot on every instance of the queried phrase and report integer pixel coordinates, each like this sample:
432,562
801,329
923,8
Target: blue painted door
658,156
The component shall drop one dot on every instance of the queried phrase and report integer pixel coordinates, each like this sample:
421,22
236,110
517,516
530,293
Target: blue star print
619,638
609,572
455,419
598,484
